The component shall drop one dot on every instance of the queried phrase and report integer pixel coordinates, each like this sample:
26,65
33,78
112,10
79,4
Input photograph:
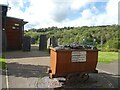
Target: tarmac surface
111,68
29,70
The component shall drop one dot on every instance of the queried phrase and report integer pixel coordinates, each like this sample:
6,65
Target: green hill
104,37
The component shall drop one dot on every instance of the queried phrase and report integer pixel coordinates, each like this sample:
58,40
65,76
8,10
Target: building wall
0,32
3,13
14,33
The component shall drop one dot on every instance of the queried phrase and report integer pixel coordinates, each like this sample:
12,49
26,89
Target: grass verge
2,63
107,57
34,44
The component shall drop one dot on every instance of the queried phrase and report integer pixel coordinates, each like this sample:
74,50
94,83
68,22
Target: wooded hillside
104,37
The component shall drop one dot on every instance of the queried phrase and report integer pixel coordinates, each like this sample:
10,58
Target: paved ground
29,70
111,72
26,68
111,68
3,79
27,74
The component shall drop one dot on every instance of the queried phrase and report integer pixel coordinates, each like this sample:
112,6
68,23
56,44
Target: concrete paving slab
3,77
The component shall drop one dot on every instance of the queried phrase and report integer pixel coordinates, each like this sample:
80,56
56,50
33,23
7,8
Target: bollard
43,42
26,43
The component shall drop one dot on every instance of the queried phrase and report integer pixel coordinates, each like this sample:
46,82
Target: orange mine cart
71,62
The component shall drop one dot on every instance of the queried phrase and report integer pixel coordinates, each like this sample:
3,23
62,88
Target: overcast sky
60,13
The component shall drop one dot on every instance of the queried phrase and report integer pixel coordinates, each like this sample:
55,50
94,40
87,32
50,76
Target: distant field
107,57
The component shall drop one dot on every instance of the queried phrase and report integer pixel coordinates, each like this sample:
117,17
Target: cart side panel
53,61
92,59
63,62
66,66
88,66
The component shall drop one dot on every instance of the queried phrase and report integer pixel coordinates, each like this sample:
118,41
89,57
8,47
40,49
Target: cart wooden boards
70,63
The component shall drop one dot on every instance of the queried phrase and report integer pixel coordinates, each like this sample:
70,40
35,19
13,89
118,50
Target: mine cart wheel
69,77
72,77
83,77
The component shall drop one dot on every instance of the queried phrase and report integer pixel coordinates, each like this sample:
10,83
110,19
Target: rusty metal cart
72,62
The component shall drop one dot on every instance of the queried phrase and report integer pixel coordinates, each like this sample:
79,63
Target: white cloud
119,13
77,4
111,15
107,18
112,10
46,13
86,14
60,11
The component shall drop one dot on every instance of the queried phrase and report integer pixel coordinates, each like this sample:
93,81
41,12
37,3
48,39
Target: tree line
105,37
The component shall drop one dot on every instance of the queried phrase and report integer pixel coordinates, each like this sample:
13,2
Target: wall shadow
27,71
26,54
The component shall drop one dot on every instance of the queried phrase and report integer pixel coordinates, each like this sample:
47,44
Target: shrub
112,45
2,63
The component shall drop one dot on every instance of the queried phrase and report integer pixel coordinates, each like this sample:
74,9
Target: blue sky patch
100,7
74,14
25,6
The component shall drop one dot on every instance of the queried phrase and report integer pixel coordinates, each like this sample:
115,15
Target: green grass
107,57
34,44
2,63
